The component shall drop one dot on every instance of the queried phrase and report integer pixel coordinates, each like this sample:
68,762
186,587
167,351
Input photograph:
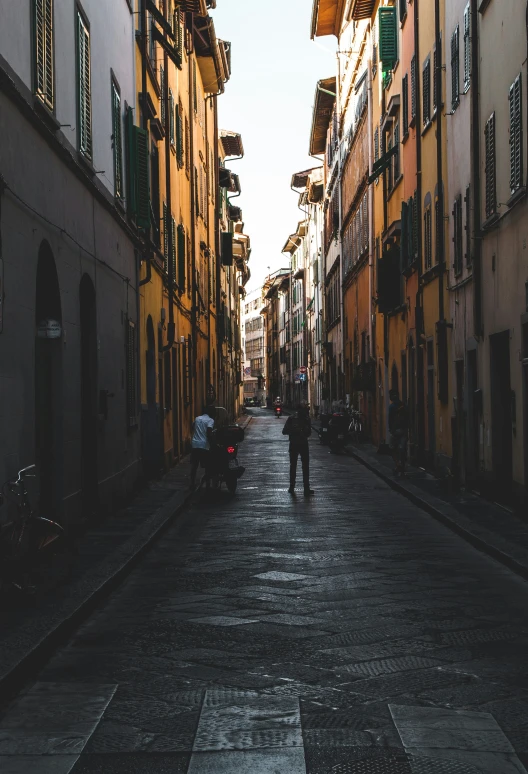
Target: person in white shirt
201,443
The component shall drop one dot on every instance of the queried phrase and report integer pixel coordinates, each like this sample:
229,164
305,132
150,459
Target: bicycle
28,542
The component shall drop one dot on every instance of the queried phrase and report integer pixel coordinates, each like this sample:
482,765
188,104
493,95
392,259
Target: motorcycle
225,467
29,543
337,431
278,411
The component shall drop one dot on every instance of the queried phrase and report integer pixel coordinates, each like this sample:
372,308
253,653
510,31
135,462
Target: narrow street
349,632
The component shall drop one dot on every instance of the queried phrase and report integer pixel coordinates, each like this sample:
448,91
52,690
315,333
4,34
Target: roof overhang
211,55
322,114
292,243
198,7
327,17
300,179
362,9
231,143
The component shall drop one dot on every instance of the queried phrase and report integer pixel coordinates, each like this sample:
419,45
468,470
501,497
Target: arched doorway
48,384
89,409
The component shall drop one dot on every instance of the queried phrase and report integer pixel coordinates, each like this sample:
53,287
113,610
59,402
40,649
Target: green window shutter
467,48
179,135
388,37
173,249
43,17
181,257
117,142
171,117
131,163
84,86
405,104
178,33
141,154
490,169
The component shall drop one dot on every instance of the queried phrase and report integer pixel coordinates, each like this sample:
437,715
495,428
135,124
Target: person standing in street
299,428
398,429
203,427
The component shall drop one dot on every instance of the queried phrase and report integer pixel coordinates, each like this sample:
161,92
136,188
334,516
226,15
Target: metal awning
362,9
322,114
327,16
231,143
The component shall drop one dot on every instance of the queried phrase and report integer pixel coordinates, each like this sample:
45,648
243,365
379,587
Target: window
405,104
165,232
457,236
415,226
516,138
426,87
439,228
455,70
396,160
173,249
388,37
467,48
390,169
436,81
163,105
117,141
84,98
413,88
187,148
138,191
179,134
155,192
44,51
131,374
467,202
490,171
194,86
171,118
428,238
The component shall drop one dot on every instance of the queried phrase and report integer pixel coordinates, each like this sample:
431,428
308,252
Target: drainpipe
371,212
420,394
440,235
475,176
168,197
194,298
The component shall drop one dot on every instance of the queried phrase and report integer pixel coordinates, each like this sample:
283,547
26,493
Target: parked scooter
337,436
225,467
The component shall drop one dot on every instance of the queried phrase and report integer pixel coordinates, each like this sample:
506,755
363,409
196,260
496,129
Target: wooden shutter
516,154
44,51
179,134
388,37
397,154
171,117
467,48
163,103
405,104
415,235
117,142
195,88
365,222
457,236
436,80
141,141
173,249
165,232
467,202
426,86
131,374
413,87
181,257
84,90
491,189
455,70
404,237
187,147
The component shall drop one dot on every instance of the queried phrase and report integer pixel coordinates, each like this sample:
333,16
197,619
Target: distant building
254,347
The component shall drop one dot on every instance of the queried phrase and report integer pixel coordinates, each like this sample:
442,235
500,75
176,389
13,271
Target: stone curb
494,545
25,653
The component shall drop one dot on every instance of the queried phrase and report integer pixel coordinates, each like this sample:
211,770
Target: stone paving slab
446,625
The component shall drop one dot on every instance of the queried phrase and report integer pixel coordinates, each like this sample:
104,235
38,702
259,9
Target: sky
269,101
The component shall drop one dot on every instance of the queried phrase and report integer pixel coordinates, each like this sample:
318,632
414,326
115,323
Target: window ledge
427,126
394,187
491,222
46,114
431,274
519,194
86,163
411,268
455,105
484,5
405,137
412,122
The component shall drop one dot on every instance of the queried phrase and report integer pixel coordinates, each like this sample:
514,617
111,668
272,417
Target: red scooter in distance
278,411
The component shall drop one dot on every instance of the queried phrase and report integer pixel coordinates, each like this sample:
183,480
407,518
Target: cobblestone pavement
346,633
